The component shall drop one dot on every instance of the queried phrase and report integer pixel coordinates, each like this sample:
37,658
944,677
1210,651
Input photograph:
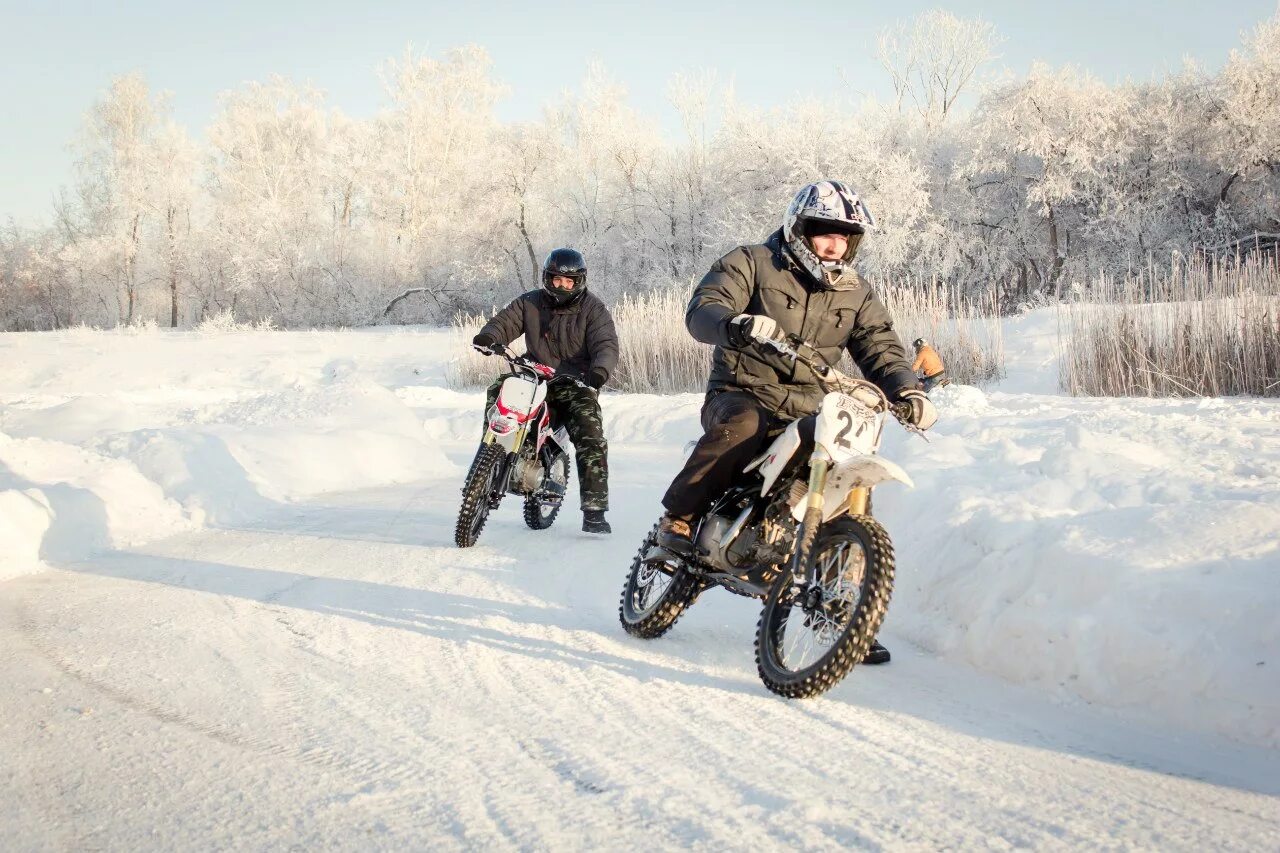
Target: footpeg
659,554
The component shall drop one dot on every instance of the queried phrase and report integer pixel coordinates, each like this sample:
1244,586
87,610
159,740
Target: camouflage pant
579,410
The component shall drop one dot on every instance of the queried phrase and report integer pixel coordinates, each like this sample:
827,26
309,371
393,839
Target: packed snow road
338,674
232,617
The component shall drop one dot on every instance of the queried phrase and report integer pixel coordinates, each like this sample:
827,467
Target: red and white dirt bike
521,454
794,529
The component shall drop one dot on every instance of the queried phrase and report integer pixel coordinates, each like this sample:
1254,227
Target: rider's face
562,282
830,247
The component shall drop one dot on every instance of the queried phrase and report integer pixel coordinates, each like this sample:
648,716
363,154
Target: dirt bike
795,530
520,453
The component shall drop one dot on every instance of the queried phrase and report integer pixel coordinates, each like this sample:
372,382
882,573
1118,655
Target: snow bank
24,518
1126,552
110,440
63,502
1123,551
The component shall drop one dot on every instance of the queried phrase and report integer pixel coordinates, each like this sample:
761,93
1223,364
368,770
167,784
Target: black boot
593,521
675,534
877,654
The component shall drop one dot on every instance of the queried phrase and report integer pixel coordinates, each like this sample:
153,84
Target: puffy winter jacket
928,361
762,279
572,338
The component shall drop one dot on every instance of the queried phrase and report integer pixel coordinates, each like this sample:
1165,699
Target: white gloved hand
754,327
923,413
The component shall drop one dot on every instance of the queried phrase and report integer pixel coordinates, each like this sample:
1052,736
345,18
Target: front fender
856,472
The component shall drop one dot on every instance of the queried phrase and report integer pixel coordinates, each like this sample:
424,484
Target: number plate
846,427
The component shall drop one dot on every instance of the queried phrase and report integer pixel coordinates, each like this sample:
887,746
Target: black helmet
569,263
918,342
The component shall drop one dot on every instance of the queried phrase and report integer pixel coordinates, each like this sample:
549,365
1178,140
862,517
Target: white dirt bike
520,453
795,529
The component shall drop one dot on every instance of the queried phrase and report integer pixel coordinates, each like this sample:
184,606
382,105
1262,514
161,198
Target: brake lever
780,347
900,413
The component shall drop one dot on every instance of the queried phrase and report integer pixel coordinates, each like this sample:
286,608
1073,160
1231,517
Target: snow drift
1123,552
112,439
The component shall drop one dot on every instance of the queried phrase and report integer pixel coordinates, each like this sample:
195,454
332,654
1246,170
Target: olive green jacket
762,279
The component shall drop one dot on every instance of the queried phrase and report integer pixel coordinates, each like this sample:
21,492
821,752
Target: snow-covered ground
231,615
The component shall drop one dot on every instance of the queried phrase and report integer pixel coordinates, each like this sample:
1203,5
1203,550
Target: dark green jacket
763,279
572,339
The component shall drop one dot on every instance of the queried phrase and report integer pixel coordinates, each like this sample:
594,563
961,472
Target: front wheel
478,493
806,644
656,593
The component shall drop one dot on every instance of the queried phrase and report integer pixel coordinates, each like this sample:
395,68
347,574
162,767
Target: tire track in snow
506,708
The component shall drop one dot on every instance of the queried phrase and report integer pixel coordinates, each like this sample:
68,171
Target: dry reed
658,356
1207,327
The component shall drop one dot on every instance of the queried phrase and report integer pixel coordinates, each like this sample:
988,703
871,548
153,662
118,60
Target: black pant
735,427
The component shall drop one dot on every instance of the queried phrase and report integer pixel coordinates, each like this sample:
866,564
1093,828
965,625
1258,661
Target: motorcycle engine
526,474
712,532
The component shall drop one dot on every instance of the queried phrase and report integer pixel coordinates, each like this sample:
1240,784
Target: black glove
596,377
486,344
746,328
923,413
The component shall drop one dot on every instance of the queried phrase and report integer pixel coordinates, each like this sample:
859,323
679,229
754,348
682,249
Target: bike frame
844,465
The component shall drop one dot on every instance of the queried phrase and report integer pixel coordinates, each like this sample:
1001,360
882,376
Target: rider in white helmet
801,281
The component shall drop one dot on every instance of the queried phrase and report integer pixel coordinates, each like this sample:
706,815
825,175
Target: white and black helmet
823,208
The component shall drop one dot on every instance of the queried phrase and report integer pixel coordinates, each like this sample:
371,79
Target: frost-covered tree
429,206
266,212
1042,150
296,213
934,59
115,177
173,161
1249,130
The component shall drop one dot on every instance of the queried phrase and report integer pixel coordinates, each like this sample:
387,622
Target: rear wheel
542,506
656,593
806,644
480,493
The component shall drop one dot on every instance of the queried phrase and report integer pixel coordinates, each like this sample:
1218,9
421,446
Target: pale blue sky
57,57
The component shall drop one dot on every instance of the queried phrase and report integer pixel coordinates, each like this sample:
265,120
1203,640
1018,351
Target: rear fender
773,460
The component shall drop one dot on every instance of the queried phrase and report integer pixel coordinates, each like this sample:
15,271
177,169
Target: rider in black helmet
570,329
564,263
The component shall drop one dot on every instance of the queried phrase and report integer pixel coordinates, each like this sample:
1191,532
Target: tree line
1018,190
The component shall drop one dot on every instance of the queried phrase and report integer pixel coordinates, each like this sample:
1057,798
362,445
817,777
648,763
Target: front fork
804,581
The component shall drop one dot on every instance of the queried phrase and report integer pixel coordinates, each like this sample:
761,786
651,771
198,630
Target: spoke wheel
656,593
810,638
481,493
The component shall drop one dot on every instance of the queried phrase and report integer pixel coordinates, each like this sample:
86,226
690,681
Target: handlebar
524,364
831,379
